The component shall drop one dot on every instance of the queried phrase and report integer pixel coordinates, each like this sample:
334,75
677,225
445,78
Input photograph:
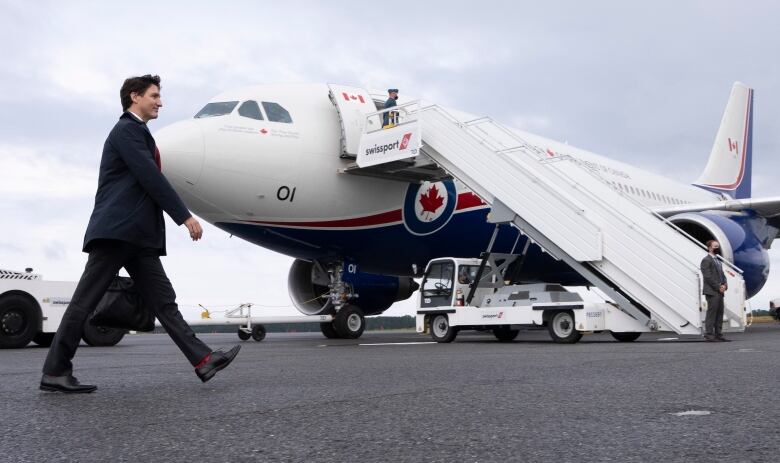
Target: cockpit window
219,108
251,110
276,113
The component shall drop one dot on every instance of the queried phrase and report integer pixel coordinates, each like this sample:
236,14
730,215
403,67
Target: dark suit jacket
132,192
713,276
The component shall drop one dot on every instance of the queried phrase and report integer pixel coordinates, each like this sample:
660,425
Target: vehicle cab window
437,284
251,110
276,113
467,274
218,108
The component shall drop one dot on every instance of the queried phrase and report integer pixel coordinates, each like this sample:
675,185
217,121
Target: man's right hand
194,227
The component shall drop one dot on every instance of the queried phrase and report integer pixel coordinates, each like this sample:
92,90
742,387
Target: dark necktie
157,158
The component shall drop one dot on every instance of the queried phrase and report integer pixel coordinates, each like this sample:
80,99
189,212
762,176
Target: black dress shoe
710,338
218,361
720,338
66,383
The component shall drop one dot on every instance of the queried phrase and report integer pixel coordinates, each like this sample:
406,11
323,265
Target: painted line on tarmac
399,343
668,339
693,413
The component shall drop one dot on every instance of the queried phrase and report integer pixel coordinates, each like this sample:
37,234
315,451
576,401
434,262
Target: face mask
395,97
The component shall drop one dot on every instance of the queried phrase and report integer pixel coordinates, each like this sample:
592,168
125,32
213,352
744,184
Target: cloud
29,174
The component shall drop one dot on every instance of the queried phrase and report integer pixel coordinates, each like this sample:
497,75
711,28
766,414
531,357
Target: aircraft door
437,284
352,105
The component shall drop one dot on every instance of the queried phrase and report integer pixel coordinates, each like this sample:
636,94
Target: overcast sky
642,83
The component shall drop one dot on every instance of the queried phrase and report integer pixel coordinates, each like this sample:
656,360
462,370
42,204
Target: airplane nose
182,150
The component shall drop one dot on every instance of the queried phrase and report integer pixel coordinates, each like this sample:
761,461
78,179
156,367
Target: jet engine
309,284
743,237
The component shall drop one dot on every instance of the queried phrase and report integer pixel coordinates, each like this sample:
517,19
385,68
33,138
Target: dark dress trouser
106,257
713,322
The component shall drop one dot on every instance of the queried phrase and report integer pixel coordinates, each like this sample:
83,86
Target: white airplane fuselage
276,184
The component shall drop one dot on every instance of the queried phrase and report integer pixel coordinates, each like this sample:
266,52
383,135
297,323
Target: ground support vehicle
474,294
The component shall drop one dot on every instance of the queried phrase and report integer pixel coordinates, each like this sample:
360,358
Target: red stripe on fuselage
465,201
376,219
468,200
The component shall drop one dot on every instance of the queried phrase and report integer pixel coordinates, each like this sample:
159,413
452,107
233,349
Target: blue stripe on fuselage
392,250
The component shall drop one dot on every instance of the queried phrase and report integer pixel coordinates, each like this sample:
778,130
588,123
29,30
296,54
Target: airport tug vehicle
475,294
31,309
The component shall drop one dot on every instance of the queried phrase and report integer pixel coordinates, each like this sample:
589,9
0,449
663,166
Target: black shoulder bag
122,307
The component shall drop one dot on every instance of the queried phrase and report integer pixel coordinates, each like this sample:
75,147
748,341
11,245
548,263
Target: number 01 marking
284,193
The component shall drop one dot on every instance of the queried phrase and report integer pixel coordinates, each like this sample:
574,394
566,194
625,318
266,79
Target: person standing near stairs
390,118
714,288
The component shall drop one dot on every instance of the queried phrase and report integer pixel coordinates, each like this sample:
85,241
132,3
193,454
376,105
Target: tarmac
395,397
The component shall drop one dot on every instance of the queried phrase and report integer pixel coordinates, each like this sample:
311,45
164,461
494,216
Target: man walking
714,288
127,230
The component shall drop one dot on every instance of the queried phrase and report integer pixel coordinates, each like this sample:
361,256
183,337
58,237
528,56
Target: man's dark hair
136,85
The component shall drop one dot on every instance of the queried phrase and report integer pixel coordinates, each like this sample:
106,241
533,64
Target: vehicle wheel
504,334
441,331
349,322
625,337
561,328
328,330
258,333
43,339
100,336
19,320
243,335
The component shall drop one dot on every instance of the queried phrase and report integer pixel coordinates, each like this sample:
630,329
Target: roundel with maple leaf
429,206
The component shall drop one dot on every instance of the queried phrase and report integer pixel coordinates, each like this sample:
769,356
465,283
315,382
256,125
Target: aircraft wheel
18,321
329,331
504,334
243,335
441,331
349,322
43,339
100,336
561,328
258,333
625,337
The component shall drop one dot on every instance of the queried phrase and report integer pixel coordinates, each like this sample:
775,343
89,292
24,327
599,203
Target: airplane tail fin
729,169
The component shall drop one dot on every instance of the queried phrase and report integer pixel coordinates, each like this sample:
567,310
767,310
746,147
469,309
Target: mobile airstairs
642,263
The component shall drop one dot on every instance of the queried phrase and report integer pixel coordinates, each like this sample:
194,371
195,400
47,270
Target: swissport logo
399,145
429,206
405,141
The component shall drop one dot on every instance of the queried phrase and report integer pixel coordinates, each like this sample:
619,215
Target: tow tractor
31,309
476,294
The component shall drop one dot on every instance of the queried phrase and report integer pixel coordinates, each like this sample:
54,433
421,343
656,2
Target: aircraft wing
768,208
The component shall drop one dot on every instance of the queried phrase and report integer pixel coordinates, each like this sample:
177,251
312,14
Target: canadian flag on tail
729,167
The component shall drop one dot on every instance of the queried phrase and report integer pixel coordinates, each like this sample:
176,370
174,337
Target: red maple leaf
431,200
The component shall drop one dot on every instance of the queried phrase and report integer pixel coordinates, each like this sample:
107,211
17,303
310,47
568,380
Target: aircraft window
251,110
216,109
276,113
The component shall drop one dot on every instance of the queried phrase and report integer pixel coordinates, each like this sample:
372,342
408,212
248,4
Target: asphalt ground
300,397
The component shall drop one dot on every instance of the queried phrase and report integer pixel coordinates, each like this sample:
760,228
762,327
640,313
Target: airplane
266,163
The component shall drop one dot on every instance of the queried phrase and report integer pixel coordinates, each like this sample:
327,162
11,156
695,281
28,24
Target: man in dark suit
714,288
127,230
